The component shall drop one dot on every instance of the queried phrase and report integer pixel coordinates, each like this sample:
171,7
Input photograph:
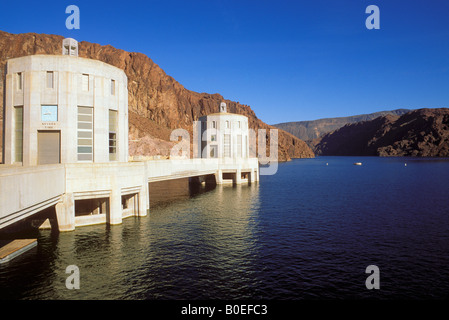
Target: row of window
50,82
228,124
85,134
213,149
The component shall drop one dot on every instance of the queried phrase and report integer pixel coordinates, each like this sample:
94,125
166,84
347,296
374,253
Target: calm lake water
307,232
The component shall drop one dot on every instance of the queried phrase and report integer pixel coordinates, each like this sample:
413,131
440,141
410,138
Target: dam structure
65,145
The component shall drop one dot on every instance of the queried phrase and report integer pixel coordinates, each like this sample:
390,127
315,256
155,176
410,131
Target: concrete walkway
25,191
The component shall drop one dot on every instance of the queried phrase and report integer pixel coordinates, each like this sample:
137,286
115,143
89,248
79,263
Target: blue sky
288,60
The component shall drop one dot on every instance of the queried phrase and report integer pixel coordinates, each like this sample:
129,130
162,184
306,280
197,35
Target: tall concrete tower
65,109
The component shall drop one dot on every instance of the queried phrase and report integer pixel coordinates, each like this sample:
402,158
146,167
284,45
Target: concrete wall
158,170
110,180
25,191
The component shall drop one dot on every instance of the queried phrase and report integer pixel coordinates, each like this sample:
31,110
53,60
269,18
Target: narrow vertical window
214,124
113,87
19,80
245,147
227,125
50,80
85,134
18,134
85,82
239,145
227,145
112,135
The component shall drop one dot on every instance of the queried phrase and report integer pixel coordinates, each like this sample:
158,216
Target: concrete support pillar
253,176
219,177
65,213
115,215
143,200
238,176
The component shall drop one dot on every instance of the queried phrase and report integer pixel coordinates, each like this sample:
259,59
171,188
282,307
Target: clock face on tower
49,113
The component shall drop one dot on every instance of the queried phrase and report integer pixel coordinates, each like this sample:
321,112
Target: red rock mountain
157,102
421,133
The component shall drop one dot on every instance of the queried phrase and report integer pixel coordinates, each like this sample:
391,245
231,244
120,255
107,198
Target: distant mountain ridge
420,133
309,130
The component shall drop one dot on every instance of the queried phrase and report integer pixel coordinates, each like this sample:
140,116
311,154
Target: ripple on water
307,232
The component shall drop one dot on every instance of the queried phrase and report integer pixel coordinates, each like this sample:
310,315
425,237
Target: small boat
357,163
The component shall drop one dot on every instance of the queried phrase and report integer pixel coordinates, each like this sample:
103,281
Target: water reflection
307,232
206,245
196,243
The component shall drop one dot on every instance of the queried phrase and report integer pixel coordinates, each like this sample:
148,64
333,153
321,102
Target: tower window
227,145
85,82
113,87
85,134
19,80
112,135
50,79
239,145
18,134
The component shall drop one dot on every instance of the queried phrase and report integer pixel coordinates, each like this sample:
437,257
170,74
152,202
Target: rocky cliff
157,102
422,132
309,130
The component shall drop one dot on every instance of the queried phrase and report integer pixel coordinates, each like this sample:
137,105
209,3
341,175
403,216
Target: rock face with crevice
421,133
157,102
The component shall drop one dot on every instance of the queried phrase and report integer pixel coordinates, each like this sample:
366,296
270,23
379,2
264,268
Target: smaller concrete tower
223,135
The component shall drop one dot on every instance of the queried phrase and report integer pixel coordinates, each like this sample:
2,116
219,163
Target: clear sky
289,60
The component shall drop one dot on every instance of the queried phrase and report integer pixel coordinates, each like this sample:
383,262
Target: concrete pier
96,193
65,212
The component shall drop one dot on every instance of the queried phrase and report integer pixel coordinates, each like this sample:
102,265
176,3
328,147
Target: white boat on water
357,163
